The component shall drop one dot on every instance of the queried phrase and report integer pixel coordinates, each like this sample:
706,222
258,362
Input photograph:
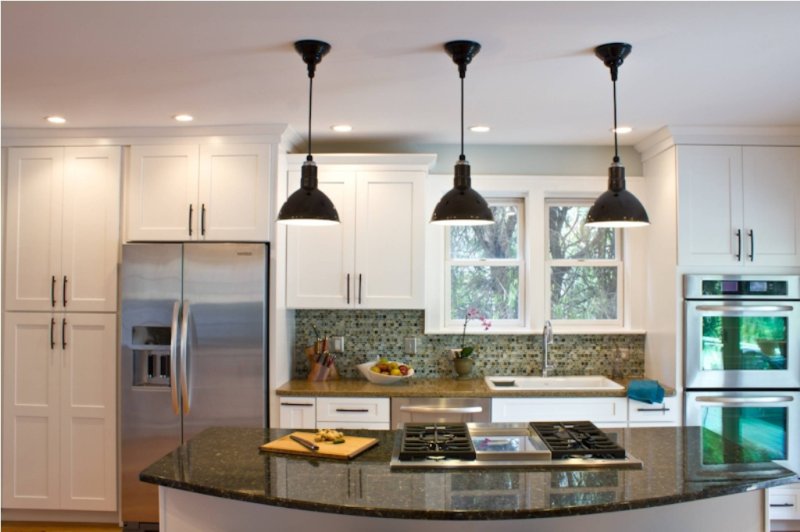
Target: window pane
571,239
497,241
583,293
493,290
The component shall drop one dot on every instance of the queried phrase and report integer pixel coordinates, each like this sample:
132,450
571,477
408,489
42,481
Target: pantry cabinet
212,192
374,257
738,206
62,229
59,411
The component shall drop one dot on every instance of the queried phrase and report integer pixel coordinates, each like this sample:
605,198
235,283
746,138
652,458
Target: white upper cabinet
374,257
214,192
59,411
739,206
62,234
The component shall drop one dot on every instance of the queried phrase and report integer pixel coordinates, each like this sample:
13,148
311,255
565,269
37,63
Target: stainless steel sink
567,383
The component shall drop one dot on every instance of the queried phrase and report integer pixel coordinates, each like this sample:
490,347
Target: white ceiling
536,80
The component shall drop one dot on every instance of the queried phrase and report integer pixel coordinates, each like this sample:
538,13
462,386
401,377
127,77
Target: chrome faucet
547,339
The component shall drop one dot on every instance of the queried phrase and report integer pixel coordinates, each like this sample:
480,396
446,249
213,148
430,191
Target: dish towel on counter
646,391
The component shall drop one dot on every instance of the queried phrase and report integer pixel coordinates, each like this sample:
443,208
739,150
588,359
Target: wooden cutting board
352,446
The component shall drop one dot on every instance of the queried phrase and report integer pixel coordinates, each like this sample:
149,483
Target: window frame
618,262
521,262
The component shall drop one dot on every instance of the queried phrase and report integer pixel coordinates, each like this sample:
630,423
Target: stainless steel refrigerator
193,352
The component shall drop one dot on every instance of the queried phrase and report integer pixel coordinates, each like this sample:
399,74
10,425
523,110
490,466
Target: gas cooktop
535,445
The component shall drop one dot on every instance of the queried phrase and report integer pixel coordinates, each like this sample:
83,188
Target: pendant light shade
462,205
309,205
616,207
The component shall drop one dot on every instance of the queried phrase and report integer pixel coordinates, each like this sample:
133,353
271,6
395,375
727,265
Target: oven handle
744,308
442,409
741,401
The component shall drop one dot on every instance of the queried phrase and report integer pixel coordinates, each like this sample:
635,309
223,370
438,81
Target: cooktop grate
577,439
436,441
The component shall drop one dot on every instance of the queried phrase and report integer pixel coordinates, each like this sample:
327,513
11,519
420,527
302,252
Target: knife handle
305,443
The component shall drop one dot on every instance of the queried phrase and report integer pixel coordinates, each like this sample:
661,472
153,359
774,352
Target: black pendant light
462,205
309,205
616,207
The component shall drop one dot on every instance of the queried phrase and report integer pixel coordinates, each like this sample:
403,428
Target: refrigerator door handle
185,395
173,357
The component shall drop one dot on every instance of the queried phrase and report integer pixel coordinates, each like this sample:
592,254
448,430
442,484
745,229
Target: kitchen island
220,480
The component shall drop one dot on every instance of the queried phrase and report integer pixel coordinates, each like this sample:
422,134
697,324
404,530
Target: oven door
742,344
765,424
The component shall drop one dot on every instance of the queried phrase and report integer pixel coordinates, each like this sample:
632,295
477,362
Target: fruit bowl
380,378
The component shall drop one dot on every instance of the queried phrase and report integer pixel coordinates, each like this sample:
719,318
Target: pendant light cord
310,93
462,157
616,147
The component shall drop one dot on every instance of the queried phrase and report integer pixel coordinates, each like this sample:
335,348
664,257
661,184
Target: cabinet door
710,205
88,411
320,260
298,413
772,206
234,192
31,369
390,242
90,230
33,224
161,192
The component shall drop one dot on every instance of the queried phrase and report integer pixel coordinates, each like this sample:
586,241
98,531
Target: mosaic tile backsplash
368,333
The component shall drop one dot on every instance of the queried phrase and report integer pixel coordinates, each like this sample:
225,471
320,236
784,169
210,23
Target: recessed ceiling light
183,118
480,129
56,119
622,130
342,128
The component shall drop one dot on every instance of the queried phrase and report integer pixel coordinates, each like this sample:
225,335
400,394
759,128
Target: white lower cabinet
298,412
59,411
602,411
784,503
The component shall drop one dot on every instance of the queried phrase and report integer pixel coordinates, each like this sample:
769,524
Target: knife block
318,372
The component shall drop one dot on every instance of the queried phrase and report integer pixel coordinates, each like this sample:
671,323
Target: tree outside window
584,266
484,266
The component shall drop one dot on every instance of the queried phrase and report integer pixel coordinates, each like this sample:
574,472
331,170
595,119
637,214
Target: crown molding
669,136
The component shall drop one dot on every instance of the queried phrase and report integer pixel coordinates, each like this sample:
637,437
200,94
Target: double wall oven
742,370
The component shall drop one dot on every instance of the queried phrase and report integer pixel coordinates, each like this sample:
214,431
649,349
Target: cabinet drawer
345,425
594,409
298,412
353,409
784,503
666,412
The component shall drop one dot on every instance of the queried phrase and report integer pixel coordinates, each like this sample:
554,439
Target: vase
463,367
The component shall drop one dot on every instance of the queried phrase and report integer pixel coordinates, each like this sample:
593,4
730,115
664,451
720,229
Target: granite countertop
227,463
432,388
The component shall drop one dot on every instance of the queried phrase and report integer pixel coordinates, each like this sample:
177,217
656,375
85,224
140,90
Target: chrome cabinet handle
53,292
173,357
52,338
442,409
348,288
752,254
191,212
743,401
739,245
745,308
64,291
203,219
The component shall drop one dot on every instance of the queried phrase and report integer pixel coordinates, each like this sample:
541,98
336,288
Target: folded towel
647,391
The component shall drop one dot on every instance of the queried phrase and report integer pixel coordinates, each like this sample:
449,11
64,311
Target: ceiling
535,81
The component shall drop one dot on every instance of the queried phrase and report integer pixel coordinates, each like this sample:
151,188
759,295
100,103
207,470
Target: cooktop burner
577,439
436,441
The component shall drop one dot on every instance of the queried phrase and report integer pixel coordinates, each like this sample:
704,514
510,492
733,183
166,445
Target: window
484,267
583,267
